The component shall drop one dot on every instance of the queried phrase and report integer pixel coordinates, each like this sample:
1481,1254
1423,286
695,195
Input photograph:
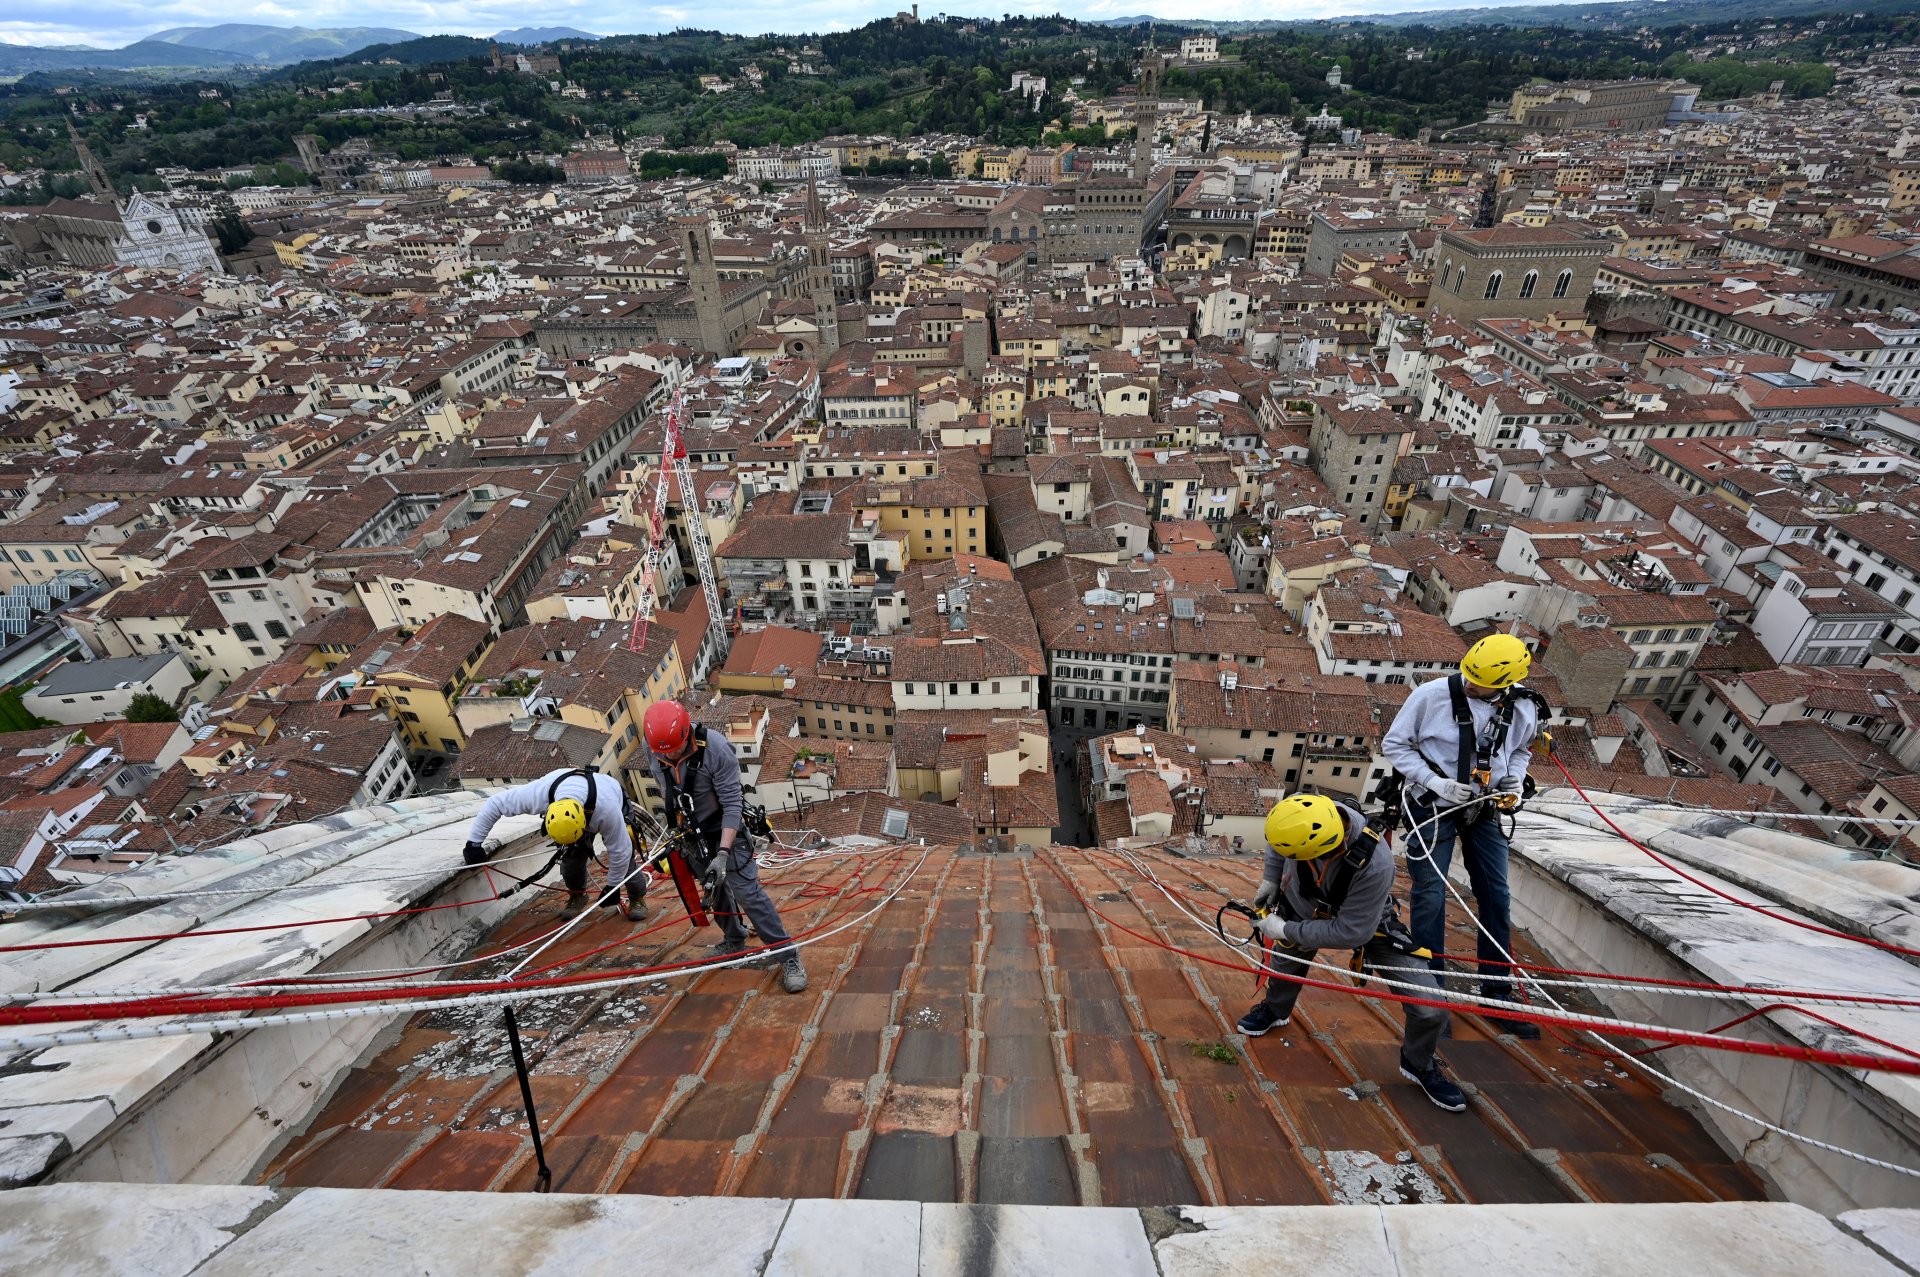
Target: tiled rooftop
986,1037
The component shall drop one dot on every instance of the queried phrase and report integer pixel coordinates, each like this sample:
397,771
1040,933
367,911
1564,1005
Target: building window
1493,286
1562,284
1528,282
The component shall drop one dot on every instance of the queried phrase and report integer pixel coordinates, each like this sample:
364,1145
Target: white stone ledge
1593,901
67,1111
1836,886
175,1231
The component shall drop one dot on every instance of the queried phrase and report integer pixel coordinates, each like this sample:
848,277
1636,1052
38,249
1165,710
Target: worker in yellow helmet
1461,746
1328,885
575,805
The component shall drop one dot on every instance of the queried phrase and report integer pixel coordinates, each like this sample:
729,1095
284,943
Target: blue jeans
1486,857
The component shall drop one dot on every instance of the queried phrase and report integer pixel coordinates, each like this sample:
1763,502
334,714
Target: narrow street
1076,824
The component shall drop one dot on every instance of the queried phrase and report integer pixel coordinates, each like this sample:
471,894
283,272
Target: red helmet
667,727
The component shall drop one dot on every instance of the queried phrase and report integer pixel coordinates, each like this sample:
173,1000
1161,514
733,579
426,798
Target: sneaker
636,908
1439,1087
727,949
1525,1030
1261,1019
793,976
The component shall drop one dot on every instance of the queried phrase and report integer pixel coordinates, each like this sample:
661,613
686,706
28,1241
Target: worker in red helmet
699,779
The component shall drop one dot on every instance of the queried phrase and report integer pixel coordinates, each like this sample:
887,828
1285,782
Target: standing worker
1328,885
574,805
1459,740
699,779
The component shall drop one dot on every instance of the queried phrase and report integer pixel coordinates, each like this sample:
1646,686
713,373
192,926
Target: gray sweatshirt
1358,916
530,799
714,783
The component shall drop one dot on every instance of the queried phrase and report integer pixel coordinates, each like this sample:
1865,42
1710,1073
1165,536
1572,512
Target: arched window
1528,282
1446,273
997,233
1562,284
1493,285
1460,278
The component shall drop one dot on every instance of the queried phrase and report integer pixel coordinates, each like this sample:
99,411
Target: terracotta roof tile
1004,1030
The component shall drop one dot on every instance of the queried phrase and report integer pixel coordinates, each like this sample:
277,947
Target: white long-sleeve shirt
531,799
1425,725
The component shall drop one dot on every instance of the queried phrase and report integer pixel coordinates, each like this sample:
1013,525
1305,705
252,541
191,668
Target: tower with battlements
1146,114
820,272
703,277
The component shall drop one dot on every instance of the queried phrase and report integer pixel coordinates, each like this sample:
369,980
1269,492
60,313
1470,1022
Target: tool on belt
1326,893
1398,938
687,860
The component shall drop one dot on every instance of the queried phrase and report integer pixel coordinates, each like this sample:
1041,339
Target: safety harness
1325,893
688,859
559,852
586,773
1474,760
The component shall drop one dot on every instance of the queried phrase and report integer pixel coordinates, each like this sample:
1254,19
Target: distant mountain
418,52
542,35
1631,14
21,59
279,45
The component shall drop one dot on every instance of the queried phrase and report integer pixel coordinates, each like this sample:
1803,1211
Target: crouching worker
1328,885
699,778
574,806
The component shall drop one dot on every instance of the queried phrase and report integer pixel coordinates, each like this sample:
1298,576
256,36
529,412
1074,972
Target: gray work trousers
1424,1024
746,896
573,870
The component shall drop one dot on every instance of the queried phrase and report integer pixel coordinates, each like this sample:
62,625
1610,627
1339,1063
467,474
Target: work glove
1267,896
1451,793
610,897
476,853
1274,927
1508,785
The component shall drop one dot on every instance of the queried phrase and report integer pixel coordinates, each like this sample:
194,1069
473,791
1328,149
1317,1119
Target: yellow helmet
566,821
1305,827
1498,660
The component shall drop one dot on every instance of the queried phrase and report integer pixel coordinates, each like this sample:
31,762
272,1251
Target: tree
228,226
145,707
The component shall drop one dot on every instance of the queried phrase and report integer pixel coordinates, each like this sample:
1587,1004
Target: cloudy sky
111,23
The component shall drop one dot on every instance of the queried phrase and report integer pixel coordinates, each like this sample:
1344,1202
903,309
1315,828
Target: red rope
1676,1037
150,1008
161,937
1652,982
1701,883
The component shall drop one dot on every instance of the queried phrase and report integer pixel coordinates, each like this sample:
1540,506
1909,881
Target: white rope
342,978
235,1024
1465,1000
1573,1019
305,884
611,889
1627,1056
1749,814
1840,997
